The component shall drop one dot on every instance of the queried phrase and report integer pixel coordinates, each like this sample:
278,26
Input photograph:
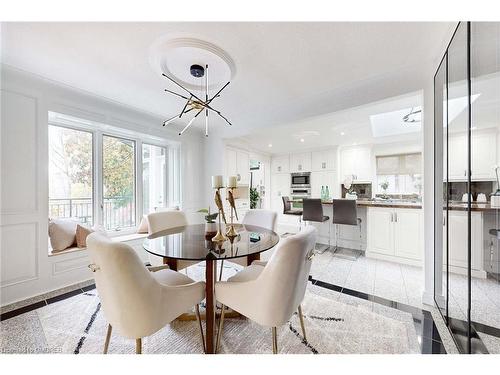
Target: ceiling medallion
193,103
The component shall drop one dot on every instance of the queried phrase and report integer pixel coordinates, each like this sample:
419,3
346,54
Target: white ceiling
347,127
285,71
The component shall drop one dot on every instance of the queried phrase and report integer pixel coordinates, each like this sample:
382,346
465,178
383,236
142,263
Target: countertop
459,206
454,206
392,204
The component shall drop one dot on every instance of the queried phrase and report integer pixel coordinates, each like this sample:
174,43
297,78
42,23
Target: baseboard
394,259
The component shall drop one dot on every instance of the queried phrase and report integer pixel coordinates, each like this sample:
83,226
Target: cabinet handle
395,217
392,217
300,167
323,165
279,169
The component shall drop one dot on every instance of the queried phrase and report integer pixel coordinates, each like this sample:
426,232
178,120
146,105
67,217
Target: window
399,174
108,177
118,176
153,177
70,174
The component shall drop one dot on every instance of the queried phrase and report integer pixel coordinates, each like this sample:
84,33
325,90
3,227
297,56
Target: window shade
399,164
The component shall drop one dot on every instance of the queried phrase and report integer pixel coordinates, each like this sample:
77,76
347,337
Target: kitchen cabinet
319,179
395,233
457,249
483,156
243,160
280,186
408,233
238,164
323,160
381,230
300,162
457,160
280,164
356,162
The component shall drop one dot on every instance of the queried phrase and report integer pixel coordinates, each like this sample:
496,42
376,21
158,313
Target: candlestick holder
219,236
231,232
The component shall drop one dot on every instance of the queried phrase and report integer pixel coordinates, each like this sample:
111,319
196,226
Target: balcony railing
118,212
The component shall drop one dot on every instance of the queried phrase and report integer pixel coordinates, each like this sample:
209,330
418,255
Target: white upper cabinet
357,163
300,162
238,164
231,162
323,160
483,155
457,157
321,179
280,164
243,159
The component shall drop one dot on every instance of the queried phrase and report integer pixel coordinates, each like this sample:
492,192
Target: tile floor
404,283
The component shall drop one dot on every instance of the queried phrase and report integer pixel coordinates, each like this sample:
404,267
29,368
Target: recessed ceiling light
342,133
302,140
270,145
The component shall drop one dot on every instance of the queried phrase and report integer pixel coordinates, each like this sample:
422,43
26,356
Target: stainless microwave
301,179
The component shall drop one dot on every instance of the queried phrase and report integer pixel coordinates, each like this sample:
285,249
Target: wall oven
301,180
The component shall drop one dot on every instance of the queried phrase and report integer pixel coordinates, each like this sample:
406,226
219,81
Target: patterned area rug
77,325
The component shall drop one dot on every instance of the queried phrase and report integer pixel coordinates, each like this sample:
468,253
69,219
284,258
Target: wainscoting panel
19,154
19,255
71,264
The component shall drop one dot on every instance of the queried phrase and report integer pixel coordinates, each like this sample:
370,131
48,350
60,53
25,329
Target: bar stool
345,212
287,209
313,211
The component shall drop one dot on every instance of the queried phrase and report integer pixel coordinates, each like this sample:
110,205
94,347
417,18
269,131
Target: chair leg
219,331
138,346
301,317
275,341
108,338
197,307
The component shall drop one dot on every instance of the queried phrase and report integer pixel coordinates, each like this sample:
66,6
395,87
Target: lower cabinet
395,233
457,237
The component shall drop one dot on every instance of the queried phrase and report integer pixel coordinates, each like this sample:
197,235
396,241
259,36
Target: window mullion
99,205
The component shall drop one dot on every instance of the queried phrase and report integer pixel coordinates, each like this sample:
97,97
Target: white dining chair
135,301
261,218
270,292
163,220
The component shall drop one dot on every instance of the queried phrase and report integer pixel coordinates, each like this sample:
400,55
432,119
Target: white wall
26,269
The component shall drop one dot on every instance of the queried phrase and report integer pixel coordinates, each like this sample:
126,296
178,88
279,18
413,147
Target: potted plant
384,185
254,198
210,224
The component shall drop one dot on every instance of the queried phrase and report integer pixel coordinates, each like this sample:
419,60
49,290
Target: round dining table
193,243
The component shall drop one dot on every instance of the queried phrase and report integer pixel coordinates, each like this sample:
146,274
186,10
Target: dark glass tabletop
190,242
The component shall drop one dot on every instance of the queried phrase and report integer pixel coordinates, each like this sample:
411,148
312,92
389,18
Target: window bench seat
123,238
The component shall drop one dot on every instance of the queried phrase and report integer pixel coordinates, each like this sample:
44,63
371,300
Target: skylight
392,123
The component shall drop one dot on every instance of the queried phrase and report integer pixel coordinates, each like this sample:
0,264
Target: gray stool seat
495,232
313,211
293,212
345,212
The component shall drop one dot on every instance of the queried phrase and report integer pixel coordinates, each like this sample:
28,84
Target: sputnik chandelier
193,103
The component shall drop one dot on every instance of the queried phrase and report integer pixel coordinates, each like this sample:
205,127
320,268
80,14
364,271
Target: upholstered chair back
261,218
284,279
163,220
128,292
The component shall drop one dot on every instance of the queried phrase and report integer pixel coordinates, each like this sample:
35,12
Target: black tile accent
22,310
430,346
88,288
489,330
427,332
64,296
